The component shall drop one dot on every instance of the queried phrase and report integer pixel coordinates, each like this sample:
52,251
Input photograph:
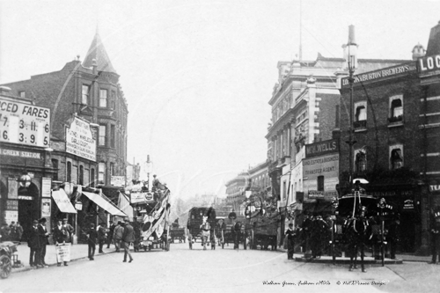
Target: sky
198,75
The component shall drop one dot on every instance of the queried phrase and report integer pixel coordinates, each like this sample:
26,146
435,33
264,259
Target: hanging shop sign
24,124
80,140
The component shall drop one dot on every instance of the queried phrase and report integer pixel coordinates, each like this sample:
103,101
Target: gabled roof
98,52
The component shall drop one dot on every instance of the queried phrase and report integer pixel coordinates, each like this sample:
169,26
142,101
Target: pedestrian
19,232
4,233
43,235
305,232
92,235
393,236
290,234
60,237
237,230
102,236
34,245
127,238
13,233
69,228
110,234
117,235
435,235
221,227
318,235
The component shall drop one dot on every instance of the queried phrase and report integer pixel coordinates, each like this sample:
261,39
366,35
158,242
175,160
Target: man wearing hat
42,236
34,245
69,229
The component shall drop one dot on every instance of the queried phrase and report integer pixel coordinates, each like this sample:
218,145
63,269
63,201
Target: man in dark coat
34,245
127,237
92,235
110,234
318,236
102,236
42,234
237,230
290,234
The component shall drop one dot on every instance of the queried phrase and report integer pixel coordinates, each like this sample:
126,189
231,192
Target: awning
104,204
62,200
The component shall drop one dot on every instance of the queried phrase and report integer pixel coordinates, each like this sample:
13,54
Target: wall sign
46,186
11,216
45,207
117,181
80,140
24,123
12,204
21,154
12,188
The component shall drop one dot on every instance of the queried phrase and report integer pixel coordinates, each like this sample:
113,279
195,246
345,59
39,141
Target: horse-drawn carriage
361,222
195,221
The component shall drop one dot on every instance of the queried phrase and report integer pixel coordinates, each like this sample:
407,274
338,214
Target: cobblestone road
184,270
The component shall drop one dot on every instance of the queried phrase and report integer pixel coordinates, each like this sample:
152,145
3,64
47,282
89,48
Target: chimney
434,41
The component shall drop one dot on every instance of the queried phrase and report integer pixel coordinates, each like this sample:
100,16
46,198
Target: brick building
88,124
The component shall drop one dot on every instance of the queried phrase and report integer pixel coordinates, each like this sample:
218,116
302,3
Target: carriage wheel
5,266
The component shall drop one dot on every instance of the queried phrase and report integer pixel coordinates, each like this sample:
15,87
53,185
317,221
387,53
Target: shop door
28,208
408,222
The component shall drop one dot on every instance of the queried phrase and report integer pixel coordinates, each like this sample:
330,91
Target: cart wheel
5,266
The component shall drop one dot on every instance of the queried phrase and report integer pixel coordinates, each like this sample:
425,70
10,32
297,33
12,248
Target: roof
97,52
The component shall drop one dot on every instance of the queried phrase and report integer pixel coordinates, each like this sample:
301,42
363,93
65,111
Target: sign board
11,216
12,204
62,252
429,65
324,168
322,148
408,204
25,197
80,140
21,154
24,124
78,206
117,181
45,207
381,73
46,186
12,188
136,197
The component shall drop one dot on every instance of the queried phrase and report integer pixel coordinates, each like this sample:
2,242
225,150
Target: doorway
28,207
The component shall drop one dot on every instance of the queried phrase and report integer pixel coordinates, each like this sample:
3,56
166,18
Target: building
305,109
88,126
25,167
235,192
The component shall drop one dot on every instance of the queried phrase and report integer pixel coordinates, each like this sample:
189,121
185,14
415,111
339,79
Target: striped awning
62,200
104,204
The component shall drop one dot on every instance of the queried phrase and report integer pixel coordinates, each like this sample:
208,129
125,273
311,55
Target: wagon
195,220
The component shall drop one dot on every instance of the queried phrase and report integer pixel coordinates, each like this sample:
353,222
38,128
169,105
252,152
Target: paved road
228,270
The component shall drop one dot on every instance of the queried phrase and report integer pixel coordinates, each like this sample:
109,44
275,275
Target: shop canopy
62,200
104,204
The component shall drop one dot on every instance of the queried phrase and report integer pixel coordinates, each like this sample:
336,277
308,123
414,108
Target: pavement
77,252
80,251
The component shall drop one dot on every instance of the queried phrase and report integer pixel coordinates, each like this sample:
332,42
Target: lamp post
149,167
350,53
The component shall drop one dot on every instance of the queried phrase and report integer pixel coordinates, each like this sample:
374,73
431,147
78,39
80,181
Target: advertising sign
321,148
117,181
12,188
22,154
324,169
45,186
429,65
11,216
45,207
136,197
24,123
80,140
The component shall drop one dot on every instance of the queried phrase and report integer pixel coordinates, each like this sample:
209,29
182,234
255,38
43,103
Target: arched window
361,113
361,161
396,158
69,172
81,175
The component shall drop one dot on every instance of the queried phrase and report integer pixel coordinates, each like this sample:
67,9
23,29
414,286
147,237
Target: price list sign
24,123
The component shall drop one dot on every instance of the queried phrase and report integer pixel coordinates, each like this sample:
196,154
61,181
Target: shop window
55,166
85,94
103,98
360,161
69,172
101,173
396,109
396,157
81,175
320,183
102,134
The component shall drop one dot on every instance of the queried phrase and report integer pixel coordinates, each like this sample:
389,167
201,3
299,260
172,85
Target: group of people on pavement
37,241
122,235
13,232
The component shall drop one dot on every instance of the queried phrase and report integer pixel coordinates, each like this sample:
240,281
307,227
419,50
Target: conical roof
98,52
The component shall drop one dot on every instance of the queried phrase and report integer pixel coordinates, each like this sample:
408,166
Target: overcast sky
198,75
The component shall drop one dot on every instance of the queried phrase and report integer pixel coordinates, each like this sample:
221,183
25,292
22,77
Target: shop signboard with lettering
321,174
117,181
80,140
25,124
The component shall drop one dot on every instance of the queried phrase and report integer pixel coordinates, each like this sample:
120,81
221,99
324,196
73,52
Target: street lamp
351,59
149,170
